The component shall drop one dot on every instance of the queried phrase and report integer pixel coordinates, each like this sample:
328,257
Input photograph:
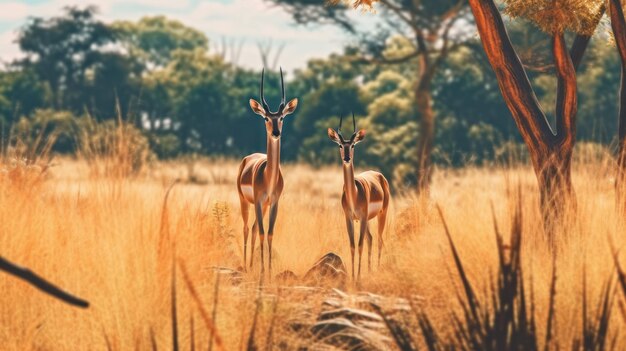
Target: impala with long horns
364,197
260,180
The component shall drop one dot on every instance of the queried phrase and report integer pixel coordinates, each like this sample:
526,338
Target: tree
550,152
22,93
430,26
201,105
62,51
619,32
155,39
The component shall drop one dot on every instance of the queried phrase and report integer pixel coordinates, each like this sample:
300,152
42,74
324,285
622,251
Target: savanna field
113,240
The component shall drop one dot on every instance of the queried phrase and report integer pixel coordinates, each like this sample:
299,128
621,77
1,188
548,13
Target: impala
260,180
364,197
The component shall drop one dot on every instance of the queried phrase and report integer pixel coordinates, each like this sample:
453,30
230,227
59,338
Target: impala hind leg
362,232
382,219
369,249
270,234
244,216
350,225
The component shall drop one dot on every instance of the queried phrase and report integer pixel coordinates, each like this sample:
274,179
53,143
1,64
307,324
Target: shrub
113,148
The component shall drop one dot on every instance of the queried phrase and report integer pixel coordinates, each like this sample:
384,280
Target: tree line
419,82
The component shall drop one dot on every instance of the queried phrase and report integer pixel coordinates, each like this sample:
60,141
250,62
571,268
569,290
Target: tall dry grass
111,240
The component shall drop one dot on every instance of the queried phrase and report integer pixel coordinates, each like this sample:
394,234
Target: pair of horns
282,88
353,124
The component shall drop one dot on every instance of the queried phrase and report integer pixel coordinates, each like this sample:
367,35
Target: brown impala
260,181
364,197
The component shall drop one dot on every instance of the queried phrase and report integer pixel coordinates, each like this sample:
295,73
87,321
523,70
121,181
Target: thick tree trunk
557,196
618,23
550,154
425,140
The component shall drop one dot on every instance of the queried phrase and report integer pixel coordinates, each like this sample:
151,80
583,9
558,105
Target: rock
286,278
327,271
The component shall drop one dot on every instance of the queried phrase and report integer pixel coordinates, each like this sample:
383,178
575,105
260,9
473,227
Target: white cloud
255,21
9,50
13,11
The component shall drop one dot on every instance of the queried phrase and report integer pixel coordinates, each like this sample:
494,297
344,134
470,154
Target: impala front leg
270,233
363,230
258,207
255,229
350,225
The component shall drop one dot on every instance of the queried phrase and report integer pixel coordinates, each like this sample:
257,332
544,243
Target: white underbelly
247,192
374,208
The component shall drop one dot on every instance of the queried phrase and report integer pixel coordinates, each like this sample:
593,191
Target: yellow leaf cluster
557,16
366,5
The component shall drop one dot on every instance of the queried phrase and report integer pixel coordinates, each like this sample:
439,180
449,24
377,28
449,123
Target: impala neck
273,162
349,186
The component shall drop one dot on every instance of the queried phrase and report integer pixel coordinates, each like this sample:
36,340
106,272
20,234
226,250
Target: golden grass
106,240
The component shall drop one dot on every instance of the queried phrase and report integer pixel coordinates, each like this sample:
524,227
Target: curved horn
265,106
282,88
353,123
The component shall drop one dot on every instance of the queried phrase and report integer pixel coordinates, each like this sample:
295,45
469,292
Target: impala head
273,120
346,146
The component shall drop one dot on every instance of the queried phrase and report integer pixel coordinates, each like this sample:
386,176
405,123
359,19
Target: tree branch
40,283
512,79
398,11
566,98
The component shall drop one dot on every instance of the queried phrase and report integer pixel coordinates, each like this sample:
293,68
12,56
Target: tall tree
154,39
431,27
618,23
63,50
550,151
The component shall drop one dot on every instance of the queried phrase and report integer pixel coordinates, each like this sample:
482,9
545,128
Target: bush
165,145
46,131
113,148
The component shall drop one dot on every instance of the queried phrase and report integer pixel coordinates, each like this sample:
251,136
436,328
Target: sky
237,21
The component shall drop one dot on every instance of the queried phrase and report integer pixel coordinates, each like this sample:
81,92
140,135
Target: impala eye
266,119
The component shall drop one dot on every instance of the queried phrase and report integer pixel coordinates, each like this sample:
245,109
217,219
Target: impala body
260,180
365,196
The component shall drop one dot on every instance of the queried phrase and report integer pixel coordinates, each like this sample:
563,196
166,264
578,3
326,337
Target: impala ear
291,106
333,135
360,135
256,107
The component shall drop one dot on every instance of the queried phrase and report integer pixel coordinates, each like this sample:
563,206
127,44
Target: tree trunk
550,153
426,138
557,196
424,102
618,23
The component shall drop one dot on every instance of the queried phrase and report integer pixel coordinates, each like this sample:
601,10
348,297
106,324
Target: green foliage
45,131
155,39
21,92
66,54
